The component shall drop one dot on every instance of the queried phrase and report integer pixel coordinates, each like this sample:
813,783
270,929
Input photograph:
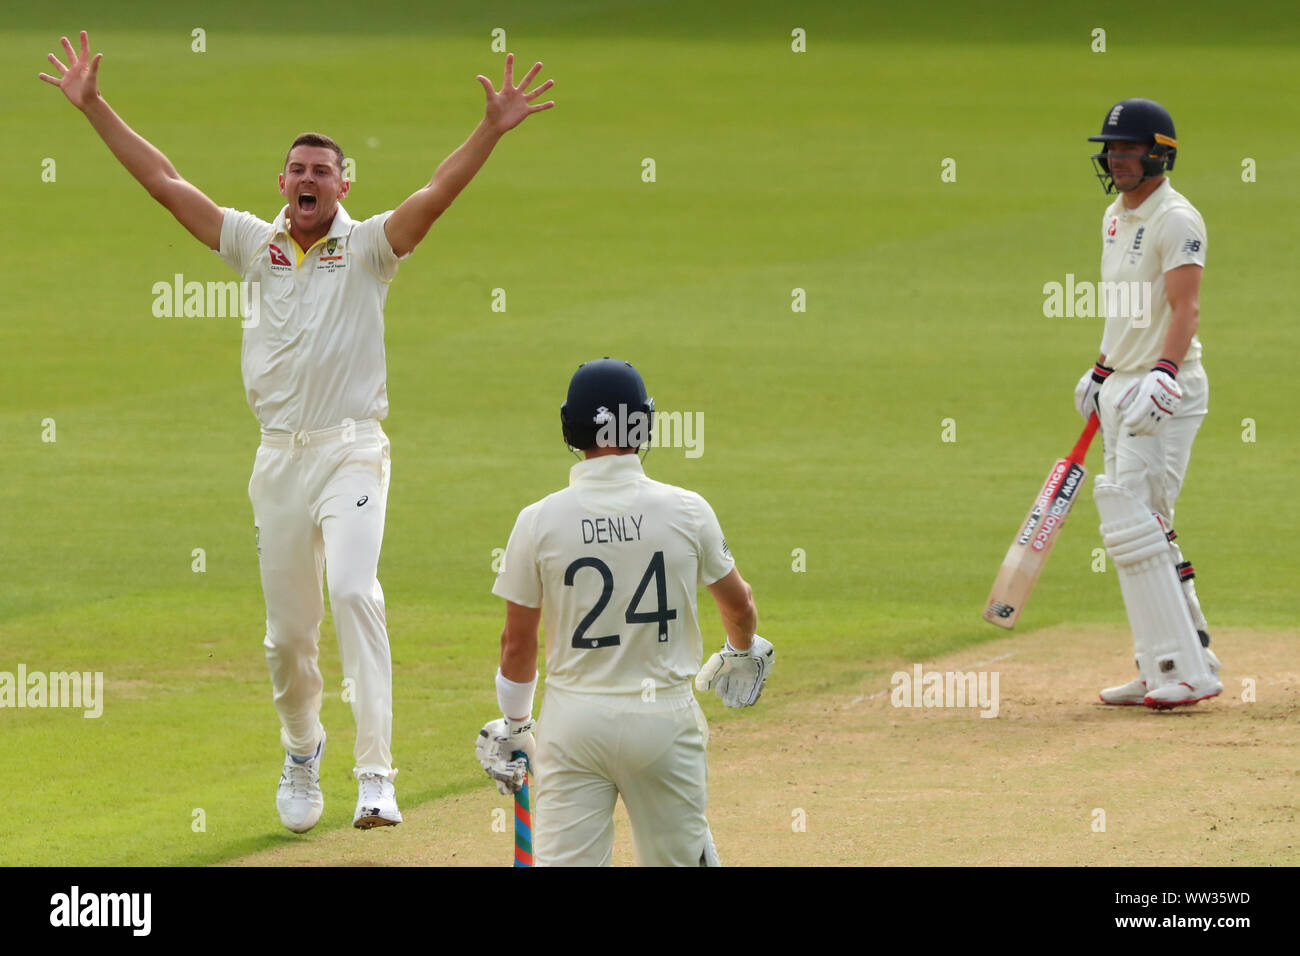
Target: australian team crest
331,255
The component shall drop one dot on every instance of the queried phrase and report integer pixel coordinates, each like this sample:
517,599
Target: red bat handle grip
1080,451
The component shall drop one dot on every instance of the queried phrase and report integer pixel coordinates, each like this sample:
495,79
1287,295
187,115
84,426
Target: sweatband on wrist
515,699
1166,366
1100,373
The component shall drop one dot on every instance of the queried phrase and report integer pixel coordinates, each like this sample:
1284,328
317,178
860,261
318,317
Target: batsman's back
615,561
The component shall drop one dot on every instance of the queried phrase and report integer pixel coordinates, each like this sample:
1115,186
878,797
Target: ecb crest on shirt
1135,252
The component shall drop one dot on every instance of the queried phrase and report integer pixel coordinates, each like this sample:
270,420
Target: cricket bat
523,818
1033,542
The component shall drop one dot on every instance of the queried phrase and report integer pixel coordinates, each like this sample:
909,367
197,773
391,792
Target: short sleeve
519,579
715,557
242,235
370,243
1182,240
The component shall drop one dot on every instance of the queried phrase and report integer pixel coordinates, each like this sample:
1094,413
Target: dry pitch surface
1211,784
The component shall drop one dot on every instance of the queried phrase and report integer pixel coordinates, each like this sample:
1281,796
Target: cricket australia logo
331,257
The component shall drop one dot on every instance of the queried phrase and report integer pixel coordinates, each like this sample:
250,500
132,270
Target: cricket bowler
314,373
614,562
1151,393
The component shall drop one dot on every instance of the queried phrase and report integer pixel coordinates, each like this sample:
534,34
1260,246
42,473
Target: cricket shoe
1134,692
1174,695
299,798
376,803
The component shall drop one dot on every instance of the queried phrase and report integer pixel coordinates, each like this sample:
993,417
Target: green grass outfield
775,170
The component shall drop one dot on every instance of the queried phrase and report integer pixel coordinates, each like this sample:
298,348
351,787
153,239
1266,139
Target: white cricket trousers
1153,466
318,502
593,747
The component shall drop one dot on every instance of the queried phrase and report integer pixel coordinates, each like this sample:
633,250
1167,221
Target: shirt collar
1150,204
607,468
340,227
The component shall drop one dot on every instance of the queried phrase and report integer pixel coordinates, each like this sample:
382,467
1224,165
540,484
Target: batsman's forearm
740,630
1182,326
141,158
518,660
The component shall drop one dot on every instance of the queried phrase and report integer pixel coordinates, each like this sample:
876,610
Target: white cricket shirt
316,355
615,561
1138,247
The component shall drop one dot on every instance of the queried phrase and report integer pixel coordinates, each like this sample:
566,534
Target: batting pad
1164,638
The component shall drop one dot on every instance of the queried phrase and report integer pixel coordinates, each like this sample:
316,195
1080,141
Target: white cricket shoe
1173,695
1134,692
376,803
299,798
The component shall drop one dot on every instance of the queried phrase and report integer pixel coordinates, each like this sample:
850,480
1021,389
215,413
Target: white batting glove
1085,393
738,676
498,743
1152,400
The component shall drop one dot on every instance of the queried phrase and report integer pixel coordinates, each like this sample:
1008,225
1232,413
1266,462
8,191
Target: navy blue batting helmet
607,406
1137,121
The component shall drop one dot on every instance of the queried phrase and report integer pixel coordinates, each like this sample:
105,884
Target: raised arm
505,110
79,81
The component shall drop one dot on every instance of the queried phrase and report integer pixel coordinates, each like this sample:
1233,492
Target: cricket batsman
1151,394
314,373
614,562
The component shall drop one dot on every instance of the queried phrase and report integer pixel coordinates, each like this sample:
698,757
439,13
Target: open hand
79,80
510,107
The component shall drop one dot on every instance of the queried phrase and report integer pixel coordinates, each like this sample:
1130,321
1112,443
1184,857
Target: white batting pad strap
1164,638
1130,546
